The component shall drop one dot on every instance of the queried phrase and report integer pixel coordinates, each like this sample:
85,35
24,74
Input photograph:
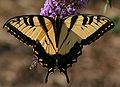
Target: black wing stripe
57,29
91,19
25,21
85,20
73,20
31,21
42,22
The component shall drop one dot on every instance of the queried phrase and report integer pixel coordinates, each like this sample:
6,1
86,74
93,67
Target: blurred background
98,66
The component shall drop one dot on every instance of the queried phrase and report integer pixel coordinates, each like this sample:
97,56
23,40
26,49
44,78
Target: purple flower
63,8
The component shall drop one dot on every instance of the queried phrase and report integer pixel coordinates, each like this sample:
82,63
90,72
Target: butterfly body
58,42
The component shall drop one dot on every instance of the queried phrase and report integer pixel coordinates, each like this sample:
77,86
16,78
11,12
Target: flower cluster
63,8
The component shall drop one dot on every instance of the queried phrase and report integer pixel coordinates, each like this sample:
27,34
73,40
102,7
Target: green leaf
116,20
109,2
105,8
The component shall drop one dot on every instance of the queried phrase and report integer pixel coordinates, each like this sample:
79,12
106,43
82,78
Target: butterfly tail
49,71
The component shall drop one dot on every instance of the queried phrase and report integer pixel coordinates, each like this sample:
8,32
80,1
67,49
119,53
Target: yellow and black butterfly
58,42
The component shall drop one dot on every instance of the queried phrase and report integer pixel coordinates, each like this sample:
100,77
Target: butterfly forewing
89,27
37,28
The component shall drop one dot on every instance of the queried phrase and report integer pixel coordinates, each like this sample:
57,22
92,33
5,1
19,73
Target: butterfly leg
34,63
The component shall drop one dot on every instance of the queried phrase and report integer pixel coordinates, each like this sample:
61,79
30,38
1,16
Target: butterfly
58,42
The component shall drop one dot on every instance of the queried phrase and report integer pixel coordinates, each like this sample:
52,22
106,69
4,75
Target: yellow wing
82,29
32,29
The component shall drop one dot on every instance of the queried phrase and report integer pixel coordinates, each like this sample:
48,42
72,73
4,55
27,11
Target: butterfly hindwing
79,30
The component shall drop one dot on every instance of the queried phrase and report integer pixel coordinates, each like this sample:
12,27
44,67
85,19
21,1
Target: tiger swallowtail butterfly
58,42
